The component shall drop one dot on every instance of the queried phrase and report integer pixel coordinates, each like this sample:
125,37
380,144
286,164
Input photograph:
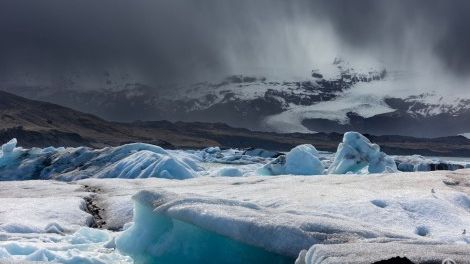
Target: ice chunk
144,164
275,167
228,156
87,235
54,228
420,163
4,254
230,172
19,228
261,153
301,160
135,160
42,255
356,152
212,150
62,249
9,146
406,167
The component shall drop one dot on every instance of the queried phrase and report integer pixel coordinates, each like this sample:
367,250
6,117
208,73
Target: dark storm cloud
439,24
166,40
62,35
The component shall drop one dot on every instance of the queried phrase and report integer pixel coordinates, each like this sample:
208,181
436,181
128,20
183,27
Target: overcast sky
172,40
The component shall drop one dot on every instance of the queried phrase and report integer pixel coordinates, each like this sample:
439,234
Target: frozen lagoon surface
228,210
268,217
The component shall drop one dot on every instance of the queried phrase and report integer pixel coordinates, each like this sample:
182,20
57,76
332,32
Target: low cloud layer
177,40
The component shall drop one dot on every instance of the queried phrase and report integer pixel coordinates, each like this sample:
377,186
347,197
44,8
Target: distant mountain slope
41,124
336,98
37,123
238,100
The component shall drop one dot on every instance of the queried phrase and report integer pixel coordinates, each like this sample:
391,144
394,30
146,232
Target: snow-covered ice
415,208
46,221
266,216
219,205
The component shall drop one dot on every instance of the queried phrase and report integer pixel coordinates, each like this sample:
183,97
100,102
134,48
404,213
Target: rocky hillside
41,124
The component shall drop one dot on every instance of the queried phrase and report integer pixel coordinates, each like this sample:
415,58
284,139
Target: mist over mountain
91,55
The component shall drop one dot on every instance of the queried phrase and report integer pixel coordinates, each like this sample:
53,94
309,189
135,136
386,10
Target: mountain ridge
338,99
41,124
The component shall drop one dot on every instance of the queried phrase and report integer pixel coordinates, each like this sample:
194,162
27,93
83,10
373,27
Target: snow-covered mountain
336,98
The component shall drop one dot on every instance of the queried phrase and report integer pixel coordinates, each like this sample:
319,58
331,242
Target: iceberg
304,160
9,146
356,153
230,172
420,163
301,160
257,152
231,156
135,160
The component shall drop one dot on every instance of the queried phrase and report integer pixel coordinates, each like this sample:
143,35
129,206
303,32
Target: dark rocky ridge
42,124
